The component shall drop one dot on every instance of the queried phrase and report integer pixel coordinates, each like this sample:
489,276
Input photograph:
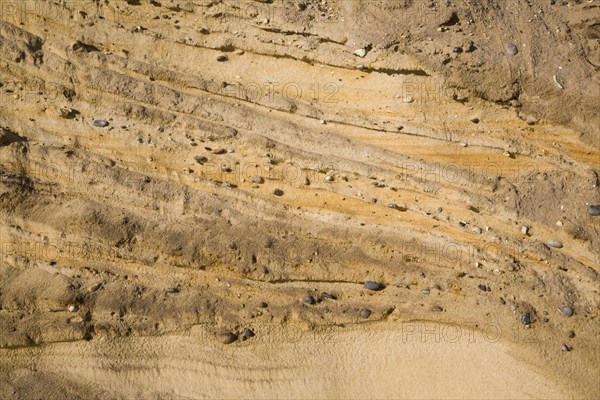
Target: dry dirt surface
194,193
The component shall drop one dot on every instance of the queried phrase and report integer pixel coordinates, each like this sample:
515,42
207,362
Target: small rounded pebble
524,230
100,123
222,58
309,300
568,311
565,348
425,291
526,319
594,211
200,159
329,178
278,192
483,288
437,308
227,337
258,179
73,308
474,120
371,285
511,49
365,313
248,333
554,243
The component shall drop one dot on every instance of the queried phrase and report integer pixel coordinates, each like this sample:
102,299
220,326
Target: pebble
457,50
554,243
374,200
306,181
482,287
222,58
309,300
524,230
526,319
278,192
512,49
227,337
200,159
248,333
437,308
258,179
568,311
72,308
329,178
361,52
365,313
425,291
371,285
408,99
565,348
326,295
100,123
219,151
594,211
474,120
477,230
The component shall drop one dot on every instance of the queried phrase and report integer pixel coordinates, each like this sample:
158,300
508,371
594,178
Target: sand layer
259,152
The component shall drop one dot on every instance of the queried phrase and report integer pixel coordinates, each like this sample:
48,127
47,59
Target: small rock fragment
278,192
565,348
524,230
594,211
100,123
361,52
200,159
258,179
371,285
309,300
365,313
526,319
425,291
437,308
222,58
568,311
555,243
227,337
326,295
511,49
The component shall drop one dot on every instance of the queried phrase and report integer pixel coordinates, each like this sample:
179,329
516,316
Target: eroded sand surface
252,159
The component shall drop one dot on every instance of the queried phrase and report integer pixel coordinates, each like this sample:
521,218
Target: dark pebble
200,159
526,319
222,58
457,50
263,305
594,211
100,123
227,337
565,348
248,333
326,295
474,120
309,300
258,179
365,313
483,288
370,285
278,192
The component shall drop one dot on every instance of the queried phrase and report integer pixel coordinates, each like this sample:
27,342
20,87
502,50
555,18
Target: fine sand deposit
194,193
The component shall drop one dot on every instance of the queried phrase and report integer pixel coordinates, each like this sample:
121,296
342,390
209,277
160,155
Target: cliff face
171,170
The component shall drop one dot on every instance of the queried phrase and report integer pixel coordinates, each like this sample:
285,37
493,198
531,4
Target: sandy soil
259,156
